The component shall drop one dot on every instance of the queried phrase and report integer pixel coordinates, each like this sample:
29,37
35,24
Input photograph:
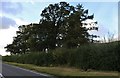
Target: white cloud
6,35
3,53
6,38
20,22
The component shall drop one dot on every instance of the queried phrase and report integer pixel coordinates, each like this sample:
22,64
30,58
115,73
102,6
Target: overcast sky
13,14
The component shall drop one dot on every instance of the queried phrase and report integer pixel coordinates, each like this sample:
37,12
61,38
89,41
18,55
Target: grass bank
66,71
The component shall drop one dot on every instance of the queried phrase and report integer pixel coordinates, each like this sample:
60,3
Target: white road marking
1,76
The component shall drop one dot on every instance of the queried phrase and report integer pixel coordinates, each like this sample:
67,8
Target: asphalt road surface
9,71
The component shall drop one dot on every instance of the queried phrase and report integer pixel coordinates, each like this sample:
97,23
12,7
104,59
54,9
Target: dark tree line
60,26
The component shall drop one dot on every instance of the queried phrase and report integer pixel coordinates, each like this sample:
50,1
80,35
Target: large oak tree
60,26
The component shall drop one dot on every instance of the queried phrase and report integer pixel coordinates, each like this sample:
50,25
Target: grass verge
64,71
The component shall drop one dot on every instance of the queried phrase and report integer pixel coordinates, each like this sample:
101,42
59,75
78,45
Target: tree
76,33
32,36
55,15
66,24
60,26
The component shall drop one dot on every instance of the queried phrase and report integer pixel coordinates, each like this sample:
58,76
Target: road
9,71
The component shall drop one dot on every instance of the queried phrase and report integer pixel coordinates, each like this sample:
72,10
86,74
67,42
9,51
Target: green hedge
103,56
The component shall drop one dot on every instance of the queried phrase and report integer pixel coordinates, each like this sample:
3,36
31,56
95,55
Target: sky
15,13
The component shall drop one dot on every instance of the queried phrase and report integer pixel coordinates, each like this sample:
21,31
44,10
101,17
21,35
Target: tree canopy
60,26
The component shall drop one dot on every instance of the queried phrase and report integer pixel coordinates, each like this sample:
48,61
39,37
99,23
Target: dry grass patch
64,71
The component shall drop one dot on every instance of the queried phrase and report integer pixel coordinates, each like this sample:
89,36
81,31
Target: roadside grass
65,71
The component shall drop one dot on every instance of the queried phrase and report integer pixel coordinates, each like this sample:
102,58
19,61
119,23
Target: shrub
92,56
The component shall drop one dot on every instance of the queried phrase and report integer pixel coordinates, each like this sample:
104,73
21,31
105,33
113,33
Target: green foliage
68,42
100,56
60,26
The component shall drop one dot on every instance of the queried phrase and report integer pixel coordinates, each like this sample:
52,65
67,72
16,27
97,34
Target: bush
102,56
